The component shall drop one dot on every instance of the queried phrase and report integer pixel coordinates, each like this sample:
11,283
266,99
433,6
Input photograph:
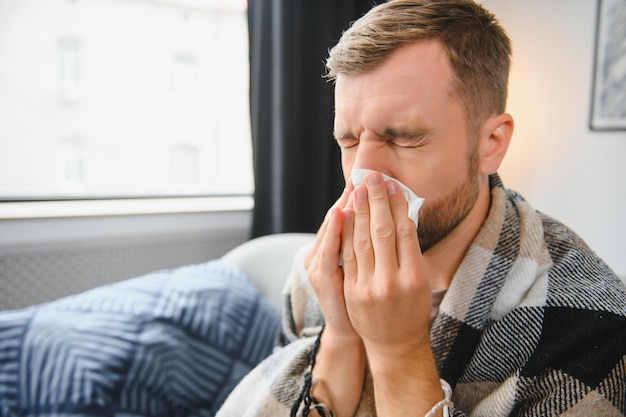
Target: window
184,76
71,167
69,69
184,165
124,99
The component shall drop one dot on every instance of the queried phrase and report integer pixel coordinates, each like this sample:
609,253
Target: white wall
555,161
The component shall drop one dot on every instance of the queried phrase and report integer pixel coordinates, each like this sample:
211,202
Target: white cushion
267,261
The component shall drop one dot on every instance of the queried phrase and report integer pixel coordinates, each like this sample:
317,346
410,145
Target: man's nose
371,155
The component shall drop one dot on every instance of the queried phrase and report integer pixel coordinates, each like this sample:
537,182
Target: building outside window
153,96
184,165
69,69
71,166
184,73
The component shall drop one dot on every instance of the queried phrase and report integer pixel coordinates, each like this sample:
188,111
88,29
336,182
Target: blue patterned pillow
171,343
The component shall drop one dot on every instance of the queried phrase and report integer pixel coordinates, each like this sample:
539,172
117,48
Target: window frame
63,207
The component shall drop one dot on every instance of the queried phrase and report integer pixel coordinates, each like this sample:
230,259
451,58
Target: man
532,322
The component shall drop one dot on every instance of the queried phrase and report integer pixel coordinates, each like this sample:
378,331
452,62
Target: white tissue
415,202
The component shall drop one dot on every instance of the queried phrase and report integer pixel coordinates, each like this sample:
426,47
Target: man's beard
439,219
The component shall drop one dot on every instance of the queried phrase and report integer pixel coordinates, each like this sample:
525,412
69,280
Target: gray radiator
32,273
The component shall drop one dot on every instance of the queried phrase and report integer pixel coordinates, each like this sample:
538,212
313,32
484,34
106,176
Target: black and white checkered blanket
533,324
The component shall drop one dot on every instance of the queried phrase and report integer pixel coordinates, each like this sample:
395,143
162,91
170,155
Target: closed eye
406,139
347,142
404,144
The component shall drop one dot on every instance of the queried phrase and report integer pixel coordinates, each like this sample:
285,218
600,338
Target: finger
407,244
341,203
347,248
321,267
331,242
361,241
382,227
345,195
326,277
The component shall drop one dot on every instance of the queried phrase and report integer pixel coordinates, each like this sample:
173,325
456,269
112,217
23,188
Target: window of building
136,79
184,75
69,69
184,165
71,166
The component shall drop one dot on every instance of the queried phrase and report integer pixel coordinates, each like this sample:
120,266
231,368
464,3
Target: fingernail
373,179
349,202
391,187
361,194
348,215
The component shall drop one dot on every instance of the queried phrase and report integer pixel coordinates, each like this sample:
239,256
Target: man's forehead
425,53
423,65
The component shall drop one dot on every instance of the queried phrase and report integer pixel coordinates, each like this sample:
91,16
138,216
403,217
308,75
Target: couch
169,343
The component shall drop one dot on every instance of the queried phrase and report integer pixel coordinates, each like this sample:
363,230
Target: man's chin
428,242
430,237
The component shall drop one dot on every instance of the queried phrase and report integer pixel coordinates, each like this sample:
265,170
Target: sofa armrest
267,261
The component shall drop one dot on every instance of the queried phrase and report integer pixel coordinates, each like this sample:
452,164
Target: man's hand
388,298
340,362
325,274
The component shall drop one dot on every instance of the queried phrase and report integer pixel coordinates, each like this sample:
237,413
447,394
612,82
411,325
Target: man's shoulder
578,277
561,238
567,247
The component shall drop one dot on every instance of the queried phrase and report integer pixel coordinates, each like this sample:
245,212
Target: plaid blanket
533,324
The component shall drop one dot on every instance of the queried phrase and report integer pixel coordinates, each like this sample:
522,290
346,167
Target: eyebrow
345,135
392,132
388,133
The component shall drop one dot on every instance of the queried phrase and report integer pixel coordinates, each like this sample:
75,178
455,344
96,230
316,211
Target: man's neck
443,259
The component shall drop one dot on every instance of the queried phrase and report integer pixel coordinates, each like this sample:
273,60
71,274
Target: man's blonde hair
477,46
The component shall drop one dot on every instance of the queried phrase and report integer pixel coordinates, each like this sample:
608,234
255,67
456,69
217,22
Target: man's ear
495,136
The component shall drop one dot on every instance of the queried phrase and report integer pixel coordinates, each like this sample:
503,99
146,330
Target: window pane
124,98
69,68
